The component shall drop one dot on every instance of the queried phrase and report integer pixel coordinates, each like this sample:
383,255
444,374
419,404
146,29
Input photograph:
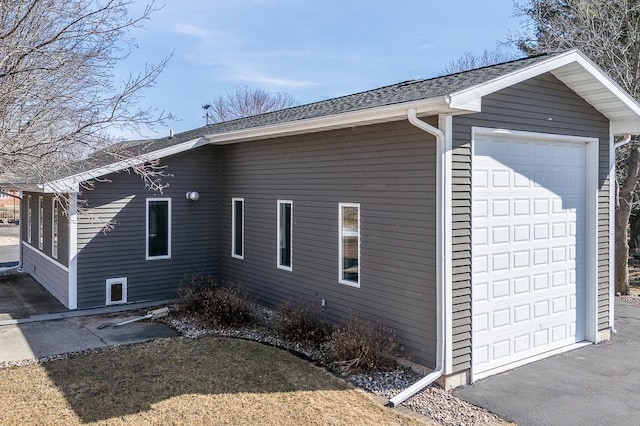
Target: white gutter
441,278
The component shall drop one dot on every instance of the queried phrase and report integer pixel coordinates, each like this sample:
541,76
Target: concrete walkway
31,340
34,324
594,385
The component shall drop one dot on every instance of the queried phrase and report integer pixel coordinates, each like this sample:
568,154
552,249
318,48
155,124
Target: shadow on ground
127,380
22,297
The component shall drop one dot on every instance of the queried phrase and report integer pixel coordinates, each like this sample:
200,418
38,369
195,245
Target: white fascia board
470,95
381,114
72,183
467,99
625,127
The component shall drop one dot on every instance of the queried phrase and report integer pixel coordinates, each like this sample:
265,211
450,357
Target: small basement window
116,291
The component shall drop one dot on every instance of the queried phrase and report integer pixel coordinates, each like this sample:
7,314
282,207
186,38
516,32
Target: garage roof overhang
580,74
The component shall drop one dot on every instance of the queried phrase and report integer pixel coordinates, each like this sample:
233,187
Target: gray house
472,213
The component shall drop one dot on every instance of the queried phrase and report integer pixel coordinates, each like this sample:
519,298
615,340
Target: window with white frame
116,291
285,235
158,228
349,244
40,223
29,226
54,228
237,228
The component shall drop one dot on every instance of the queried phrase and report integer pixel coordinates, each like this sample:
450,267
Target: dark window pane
116,292
158,228
238,227
285,234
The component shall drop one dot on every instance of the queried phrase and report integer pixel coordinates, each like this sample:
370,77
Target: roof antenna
170,133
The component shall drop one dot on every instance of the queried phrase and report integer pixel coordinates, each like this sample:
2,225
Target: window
237,228
40,223
349,250
116,291
29,219
54,231
285,235
158,228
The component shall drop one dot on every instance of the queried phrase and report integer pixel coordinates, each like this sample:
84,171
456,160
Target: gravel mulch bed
433,402
629,299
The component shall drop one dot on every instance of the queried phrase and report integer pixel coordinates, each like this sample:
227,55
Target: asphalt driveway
594,385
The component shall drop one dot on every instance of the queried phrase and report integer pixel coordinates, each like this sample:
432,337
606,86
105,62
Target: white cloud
259,78
204,34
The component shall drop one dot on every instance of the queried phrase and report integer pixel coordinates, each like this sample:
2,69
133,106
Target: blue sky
312,50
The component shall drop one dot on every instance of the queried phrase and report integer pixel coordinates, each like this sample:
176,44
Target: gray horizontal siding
542,104
390,170
120,252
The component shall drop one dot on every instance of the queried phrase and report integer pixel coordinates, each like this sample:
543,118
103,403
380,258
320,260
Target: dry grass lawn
182,381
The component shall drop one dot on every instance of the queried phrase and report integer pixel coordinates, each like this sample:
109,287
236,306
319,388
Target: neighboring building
471,212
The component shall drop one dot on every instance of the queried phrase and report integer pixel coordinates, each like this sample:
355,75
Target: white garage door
528,239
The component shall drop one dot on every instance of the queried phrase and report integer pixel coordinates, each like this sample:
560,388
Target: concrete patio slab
22,297
40,339
594,385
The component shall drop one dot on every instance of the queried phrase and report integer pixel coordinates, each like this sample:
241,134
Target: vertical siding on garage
542,104
390,170
121,251
51,273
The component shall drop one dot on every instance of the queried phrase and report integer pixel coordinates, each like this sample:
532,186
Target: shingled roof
454,93
406,91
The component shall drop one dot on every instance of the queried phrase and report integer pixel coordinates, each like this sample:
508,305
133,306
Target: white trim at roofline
470,98
572,68
71,183
44,256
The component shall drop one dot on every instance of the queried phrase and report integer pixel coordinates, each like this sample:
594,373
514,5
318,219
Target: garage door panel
528,245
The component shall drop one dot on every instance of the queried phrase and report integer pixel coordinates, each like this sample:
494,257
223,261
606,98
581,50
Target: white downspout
440,285
612,213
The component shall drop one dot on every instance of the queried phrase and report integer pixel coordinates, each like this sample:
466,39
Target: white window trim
29,222
169,226
41,223
340,279
109,283
55,228
278,254
233,228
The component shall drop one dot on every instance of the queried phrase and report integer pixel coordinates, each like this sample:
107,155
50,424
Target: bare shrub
213,304
302,323
363,346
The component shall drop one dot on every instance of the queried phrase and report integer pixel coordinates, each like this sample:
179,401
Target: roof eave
382,114
72,183
580,74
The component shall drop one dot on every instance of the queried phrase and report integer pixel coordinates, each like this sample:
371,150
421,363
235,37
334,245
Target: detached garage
472,213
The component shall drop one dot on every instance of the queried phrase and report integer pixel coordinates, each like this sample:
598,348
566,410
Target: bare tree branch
245,102
59,101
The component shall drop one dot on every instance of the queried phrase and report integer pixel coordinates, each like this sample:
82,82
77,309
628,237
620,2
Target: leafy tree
608,31
59,99
245,102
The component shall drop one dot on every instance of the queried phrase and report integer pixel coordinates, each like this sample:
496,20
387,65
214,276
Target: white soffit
601,92
580,75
